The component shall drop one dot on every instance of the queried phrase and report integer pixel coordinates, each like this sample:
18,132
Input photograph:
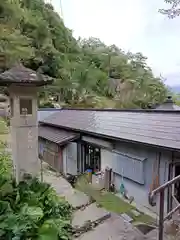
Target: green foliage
32,210
3,126
31,31
176,98
46,105
5,164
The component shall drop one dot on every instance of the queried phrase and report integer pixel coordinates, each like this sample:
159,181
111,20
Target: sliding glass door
91,157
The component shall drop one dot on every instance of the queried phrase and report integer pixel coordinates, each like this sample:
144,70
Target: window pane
26,106
129,166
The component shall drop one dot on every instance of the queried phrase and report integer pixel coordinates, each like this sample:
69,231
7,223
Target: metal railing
161,190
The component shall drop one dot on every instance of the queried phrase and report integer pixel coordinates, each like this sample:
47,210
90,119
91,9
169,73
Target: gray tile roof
168,107
156,128
56,135
44,114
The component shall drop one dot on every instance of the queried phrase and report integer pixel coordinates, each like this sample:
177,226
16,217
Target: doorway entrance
90,157
177,185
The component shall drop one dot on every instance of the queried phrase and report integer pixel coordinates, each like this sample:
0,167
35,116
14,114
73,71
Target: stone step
153,235
77,199
90,214
114,228
62,187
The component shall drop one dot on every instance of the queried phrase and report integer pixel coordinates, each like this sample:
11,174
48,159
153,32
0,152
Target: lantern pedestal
22,85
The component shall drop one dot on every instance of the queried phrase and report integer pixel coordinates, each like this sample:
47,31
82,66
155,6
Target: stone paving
114,227
91,212
77,199
63,188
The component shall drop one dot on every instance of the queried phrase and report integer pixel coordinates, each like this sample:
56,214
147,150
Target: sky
134,25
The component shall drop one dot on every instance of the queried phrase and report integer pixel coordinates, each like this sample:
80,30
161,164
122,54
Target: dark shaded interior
177,185
144,228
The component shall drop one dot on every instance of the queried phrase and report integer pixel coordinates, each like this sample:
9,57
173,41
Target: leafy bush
3,126
5,163
31,210
46,105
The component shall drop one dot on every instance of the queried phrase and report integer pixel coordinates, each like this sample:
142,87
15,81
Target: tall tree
86,71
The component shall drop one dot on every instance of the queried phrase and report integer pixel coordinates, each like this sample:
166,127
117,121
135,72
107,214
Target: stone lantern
168,105
22,86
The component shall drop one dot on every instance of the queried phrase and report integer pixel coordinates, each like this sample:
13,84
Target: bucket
89,175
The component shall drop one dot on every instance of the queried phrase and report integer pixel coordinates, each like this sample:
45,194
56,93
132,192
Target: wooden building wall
52,154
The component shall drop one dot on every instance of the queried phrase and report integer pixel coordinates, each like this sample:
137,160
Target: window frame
132,161
26,98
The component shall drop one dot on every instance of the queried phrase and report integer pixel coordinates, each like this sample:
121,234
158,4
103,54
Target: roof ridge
122,110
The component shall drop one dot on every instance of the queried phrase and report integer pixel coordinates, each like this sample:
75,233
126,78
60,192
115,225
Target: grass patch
111,202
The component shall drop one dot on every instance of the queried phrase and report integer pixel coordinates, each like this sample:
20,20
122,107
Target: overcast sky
133,25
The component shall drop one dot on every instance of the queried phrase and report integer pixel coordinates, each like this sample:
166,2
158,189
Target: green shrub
5,164
46,105
3,126
31,210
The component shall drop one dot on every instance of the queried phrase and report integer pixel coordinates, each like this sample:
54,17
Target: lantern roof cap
20,75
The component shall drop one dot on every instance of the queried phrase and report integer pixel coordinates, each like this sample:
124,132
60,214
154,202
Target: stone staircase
91,221
88,218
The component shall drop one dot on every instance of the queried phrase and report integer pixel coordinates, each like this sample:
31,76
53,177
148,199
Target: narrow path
90,221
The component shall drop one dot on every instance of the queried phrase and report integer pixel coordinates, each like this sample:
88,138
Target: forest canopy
86,72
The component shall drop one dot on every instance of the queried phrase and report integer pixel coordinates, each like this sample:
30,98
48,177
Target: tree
33,33
174,9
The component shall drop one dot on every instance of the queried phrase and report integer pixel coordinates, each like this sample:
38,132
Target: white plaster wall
64,161
139,192
106,158
71,158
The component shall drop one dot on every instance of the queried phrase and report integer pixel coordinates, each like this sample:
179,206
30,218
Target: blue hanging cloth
122,189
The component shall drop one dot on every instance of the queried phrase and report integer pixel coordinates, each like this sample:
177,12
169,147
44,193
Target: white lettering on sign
30,139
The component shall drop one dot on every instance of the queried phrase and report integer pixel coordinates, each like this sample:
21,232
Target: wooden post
2,61
161,190
41,169
107,177
110,180
41,161
161,215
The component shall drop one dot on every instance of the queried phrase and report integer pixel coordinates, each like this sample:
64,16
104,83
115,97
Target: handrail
175,199
160,190
165,185
174,209
171,212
